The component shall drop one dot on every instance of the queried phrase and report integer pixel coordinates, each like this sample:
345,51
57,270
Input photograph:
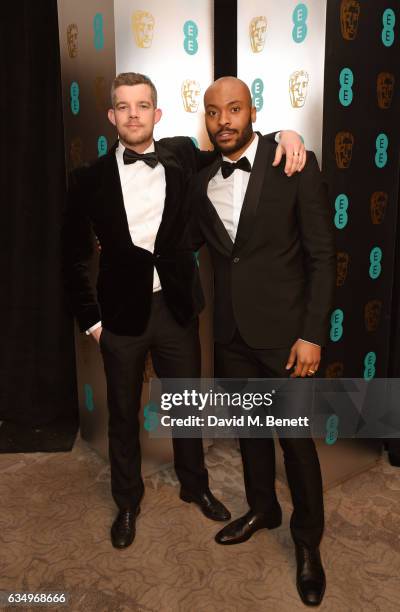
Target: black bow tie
227,168
130,157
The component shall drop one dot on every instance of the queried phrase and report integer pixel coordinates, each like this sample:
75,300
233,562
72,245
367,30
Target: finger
278,155
302,160
298,369
289,161
313,369
305,369
291,360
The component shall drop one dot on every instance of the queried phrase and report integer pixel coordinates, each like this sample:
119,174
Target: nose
224,118
133,112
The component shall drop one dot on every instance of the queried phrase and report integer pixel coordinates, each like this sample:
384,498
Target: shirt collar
250,152
119,152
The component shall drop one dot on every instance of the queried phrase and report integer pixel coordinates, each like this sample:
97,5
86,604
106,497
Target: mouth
225,135
133,125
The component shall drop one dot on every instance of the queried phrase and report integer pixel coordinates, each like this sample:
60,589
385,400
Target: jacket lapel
262,163
213,218
174,192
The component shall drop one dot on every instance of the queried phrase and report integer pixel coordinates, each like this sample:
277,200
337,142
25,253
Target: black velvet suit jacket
125,279
276,282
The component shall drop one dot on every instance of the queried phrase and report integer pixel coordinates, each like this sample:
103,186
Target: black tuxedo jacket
125,279
276,282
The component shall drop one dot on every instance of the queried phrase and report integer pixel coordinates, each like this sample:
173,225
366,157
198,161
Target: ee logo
102,146
337,317
98,31
382,144
257,88
191,31
150,416
388,20
369,365
74,93
341,206
346,80
332,429
89,401
299,18
375,258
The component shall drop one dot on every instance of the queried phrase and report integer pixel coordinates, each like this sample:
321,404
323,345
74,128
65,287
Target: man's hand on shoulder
305,356
291,145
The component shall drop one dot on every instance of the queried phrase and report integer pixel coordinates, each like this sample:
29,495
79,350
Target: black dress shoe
208,504
243,528
123,529
310,575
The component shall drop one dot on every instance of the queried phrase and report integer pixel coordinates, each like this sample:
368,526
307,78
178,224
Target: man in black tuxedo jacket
148,290
271,243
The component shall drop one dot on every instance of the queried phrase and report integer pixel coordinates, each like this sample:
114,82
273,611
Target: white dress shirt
227,195
143,190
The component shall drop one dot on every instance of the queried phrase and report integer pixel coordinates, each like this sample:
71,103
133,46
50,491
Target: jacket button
157,256
235,259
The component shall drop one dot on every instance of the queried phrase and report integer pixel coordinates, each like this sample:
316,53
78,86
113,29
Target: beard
243,138
134,140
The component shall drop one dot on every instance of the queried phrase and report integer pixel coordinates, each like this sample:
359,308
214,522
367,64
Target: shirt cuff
91,329
308,342
277,137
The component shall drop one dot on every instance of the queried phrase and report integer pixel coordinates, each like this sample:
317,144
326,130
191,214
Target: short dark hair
133,78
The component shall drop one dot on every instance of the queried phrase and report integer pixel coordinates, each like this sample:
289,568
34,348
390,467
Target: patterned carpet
56,511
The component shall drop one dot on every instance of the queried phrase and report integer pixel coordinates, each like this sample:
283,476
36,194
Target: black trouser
238,360
175,353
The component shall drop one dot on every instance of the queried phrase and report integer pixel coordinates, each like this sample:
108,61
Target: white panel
277,56
164,59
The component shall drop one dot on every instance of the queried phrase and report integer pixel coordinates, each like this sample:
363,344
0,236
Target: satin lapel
262,163
112,192
213,219
174,191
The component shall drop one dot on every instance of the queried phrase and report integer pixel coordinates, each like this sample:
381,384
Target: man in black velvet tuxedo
271,243
148,290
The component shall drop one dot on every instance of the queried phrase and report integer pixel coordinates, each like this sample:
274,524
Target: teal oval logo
346,80
74,98
375,258
257,88
151,418
337,318
98,39
332,429
102,146
299,18
89,400
191,32
388,21
369,365
195,141
341,206
381,143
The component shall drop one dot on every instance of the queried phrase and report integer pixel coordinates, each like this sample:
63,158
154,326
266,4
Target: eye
235,109
211,113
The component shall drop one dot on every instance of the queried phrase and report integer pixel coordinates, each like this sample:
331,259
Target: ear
157,115
253,114
111,116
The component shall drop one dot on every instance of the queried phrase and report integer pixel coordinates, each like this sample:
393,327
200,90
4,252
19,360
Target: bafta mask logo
344,142
298,84
100,93
143,28
75,152
372,315
334,370
258,32
379,200
190,95
349,17
342,267
72,40
385,89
